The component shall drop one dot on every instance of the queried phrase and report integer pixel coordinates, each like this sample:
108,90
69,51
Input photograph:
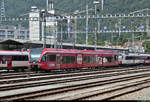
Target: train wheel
73,69
16,70
47,71
22,69
36,71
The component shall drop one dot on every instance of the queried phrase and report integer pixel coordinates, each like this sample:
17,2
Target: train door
113,60
58,61
96,60
9,62
100,61
0,62
51,61
3,62
79,60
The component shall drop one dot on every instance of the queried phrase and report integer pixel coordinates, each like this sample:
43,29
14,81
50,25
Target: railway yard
115,83
74,50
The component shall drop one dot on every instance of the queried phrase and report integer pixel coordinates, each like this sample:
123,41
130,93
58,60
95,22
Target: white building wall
34,25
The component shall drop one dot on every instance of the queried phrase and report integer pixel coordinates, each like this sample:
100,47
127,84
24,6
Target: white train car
147,59
17,60
132,58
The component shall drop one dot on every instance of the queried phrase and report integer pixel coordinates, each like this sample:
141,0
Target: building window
22,32
2,32
10,32
10,36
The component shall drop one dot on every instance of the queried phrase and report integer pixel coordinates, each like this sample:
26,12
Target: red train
48,59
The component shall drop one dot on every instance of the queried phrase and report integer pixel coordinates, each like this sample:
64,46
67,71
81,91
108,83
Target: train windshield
119,56
35,55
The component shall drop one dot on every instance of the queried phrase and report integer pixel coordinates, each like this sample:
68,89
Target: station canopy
11,42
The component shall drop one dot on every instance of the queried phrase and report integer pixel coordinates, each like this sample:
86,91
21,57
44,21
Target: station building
45,25
13,32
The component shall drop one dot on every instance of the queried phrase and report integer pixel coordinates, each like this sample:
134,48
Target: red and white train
17,60
48,59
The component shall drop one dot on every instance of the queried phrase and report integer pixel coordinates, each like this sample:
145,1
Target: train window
3,59
43,58
119,57
26,58
100,60
72,59
51,58
148,57
20,58
93,59
86,59
137,57
89,59
143,57
107,59
115,57
0,59
68,59
128,57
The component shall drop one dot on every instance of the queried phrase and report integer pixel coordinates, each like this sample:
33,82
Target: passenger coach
134,58
13,60
48,59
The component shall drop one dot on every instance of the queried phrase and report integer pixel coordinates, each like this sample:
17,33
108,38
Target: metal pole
98,29
132,40
119,27
61,36
95,38
44,29
147,24
119,30
95,9
86,24
55,46
68,21
112,38
128,43
102,6
75,33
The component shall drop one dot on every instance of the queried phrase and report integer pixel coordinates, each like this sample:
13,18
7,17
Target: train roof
136,54
52,50
78,51
8,52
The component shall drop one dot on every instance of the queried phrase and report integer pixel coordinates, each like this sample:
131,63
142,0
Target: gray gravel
143,94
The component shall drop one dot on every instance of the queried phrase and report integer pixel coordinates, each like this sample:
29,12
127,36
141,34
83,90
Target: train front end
34,58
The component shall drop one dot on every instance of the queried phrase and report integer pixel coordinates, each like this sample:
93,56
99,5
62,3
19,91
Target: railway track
61,80
85,75
65,88
31,74
78,82
109,92
13,74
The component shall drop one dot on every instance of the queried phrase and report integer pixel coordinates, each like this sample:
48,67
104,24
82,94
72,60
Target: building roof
11,42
